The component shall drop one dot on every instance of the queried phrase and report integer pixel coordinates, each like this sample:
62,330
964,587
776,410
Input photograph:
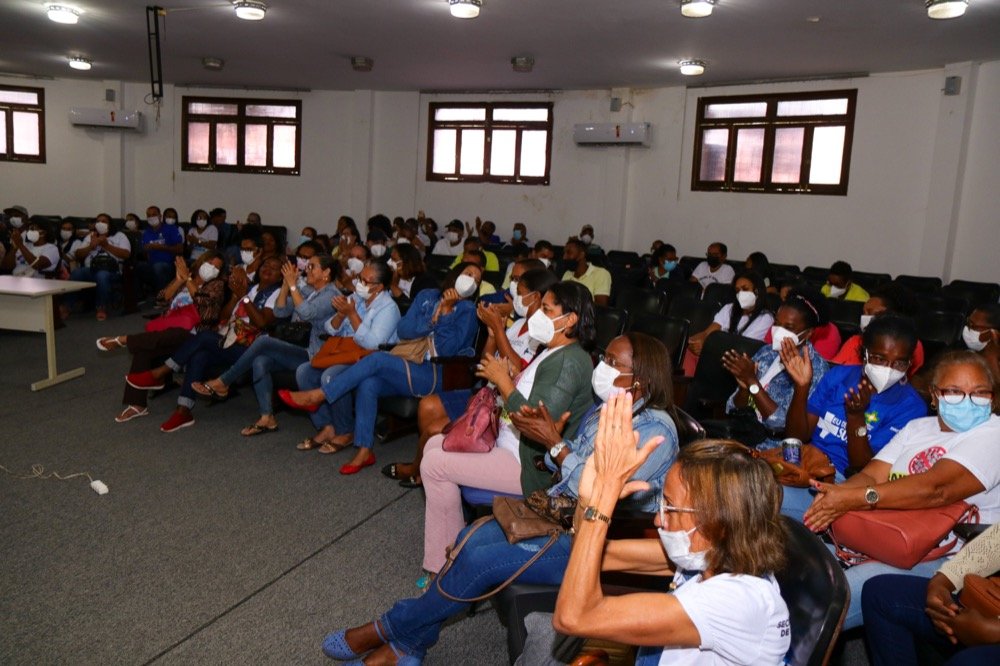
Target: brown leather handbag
981,594
338,350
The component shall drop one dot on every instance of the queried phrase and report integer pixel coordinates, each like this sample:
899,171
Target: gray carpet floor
210,548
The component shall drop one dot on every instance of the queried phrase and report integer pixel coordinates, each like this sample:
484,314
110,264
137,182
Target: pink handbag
476,430
185,317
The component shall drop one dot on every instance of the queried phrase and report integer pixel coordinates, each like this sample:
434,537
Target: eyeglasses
878,359
978,329
667,508
617,365
953,396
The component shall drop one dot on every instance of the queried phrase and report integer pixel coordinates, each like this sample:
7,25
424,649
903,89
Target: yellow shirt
492,263
596,279
854,293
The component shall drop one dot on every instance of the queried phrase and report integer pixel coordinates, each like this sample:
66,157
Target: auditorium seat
609,323
870,281
919,284
671,331
977,293
638,302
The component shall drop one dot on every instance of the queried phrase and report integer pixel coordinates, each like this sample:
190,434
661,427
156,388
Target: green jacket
562,382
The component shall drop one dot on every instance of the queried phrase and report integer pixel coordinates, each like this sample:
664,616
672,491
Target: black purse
104,262
294,332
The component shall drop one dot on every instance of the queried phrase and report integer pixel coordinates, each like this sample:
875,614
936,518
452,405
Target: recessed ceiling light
82,64
250,10
696,8
213,64
522,64
362,63
692,67
63,13
466,9
946,9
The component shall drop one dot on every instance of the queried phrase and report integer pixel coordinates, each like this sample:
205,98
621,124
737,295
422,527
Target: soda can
791,450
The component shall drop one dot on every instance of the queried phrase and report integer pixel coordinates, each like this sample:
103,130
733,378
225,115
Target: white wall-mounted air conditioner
612,134
113,118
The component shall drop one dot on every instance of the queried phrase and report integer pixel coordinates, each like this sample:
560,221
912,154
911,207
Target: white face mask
603,381
153,220
362,289
547,262
32,235
678,547
837,292
519,307
779,333
465,285
247,256
541,328
171,220
101,228
512,288
377,250
746,299
301,263
452,237
131,225
402,241
66,234
16,222
971,339
587,239
865,320
393,264
355,265
208,272
201,222
882,376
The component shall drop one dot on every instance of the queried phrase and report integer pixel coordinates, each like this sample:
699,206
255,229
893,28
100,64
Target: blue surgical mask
517,234
964,416
669,265
304,239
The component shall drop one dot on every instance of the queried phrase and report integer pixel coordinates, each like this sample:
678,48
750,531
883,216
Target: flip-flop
108,344
327,448
257,429
390,471
308,444
411,483
131,412
206,391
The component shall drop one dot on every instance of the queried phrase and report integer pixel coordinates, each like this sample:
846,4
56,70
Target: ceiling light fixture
946,9
362,63
63,14
213,64
82,64
465,9
250,10
692,67
697,8
523,64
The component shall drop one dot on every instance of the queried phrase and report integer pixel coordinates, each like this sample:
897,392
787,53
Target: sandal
131,412
331,447
411,482
206,391
257,429
108,344
308,444
390,471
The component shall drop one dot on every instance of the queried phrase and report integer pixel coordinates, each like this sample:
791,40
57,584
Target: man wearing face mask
840,284
451,244
596,279
473,244
100,255
714,270
378,244
162,243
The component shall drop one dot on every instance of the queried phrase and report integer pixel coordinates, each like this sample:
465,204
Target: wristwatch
556,450
862,431
871,496
754,389
591,513
246,299
293,288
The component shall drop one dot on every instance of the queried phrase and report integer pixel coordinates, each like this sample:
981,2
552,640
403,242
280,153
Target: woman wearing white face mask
746,314
411,626
854,410
447,318
409,273
723,549
33,253
890,297
201,235
100,255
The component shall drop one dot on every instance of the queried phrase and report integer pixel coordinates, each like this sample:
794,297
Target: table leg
50,352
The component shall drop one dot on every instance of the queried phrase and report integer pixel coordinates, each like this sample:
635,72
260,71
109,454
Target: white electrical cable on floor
38,472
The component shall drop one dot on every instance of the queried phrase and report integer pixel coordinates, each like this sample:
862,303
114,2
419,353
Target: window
241,135
490,143
793,144
22,124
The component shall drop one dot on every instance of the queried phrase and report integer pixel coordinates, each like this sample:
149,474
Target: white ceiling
417,45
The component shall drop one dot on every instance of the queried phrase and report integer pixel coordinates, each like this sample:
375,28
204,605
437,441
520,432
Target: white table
26,305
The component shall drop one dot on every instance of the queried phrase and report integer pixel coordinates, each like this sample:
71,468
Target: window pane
460,113
271,110
521,114
198,143
714,143
502,151
213,109
26,133
18,97
787,154
255,145
533,152
827,155
813,107
225,144
444,151
284,146
737,110
473,152
3,132
749,155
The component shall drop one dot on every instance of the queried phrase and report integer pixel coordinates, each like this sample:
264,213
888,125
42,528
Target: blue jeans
485,561
264,356
156,275
199,354
376,375
104,280
893,606
339,414
796,501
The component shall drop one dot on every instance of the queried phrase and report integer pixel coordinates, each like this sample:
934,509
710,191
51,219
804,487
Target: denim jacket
378,322
454,333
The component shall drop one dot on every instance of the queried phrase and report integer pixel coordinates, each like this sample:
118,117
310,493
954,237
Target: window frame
241,120
7,109
770,122
488,125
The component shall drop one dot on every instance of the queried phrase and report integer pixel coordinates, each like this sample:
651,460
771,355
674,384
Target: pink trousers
442,473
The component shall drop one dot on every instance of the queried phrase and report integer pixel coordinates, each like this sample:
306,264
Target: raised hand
290,274
181,267
493,369
857,400
797,362
537,424
741,367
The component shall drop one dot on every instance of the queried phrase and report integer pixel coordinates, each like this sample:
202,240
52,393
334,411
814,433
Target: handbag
104,262
338,350
186,317
899,537
476,430
415,350
981,594
294,332
814,465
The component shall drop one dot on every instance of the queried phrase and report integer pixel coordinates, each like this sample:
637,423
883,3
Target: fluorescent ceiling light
63,14
466,9
250,10
696,8
946,9
692,67
82,64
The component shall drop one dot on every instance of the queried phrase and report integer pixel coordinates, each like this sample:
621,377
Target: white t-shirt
757,329
704,275
209,233
118,240
49,251
741,620
443,247
921,443
509,438
523,344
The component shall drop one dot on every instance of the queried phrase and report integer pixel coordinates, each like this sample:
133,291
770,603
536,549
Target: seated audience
428,230
544,253
725,606
587,238
269,244
67,239
131,223
825,336
347,237
473,244
201,236
100,256
933,461
162,243
378,243
201,287
518,253
445,320
451,245
665,266
746,314
409,273
840,284
486,288
251,253
981,334
855,409
249,312
759,264
519,236
369,317
902,610
889,298
485,232
596,279
714,270
412,626
33,254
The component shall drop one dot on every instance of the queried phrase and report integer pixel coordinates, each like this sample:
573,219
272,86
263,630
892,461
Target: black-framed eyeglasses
877,359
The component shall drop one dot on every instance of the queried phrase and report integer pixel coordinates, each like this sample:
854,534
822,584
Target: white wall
924,187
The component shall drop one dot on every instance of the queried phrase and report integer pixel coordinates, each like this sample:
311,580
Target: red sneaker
144,380
177,421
